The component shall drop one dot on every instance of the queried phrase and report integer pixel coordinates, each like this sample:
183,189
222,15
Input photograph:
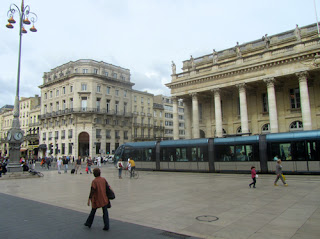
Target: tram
299,152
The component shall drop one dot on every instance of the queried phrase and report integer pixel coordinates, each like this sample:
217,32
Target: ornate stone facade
268,85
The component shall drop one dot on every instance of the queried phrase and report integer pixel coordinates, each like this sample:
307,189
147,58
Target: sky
143,36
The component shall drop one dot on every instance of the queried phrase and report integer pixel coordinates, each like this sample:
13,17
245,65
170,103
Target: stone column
187,118
305,102
243,108
218,112
175,118
195,116
272,104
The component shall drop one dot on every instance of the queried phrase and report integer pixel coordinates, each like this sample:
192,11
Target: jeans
254,182
65,168
120,172
105,217
132,170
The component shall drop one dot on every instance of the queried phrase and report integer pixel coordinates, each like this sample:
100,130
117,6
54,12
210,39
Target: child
253,176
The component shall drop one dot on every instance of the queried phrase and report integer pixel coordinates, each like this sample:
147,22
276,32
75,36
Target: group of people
278,171
131,166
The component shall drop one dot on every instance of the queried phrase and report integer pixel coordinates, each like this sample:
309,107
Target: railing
86,110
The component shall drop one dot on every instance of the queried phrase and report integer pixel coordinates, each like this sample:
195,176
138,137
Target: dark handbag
109,191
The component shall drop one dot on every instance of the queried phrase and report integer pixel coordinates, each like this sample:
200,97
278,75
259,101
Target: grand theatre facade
269,85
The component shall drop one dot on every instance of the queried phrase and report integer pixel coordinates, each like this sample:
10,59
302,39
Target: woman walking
98,198
120,167
253,176
279,174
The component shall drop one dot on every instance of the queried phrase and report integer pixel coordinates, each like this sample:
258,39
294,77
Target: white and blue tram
299,152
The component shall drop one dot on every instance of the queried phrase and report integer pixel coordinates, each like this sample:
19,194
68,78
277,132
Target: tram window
239,153
281,150
313,153
181,155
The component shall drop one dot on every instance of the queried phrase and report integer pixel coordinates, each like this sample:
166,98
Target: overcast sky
141,35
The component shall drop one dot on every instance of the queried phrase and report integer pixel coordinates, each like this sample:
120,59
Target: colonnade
191,111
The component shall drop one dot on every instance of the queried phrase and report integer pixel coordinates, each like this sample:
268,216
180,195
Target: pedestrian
89,164
59,165
78,165
253,176
132,166
120,167
65,163
279,174
98,199
48,162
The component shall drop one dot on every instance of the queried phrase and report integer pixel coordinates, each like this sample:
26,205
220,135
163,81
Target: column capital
194,95
241,86
302,75
269,81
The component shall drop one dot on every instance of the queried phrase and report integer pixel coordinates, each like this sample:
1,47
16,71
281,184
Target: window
239,130
45,96
50,94
56,134
168,115
122,77
57,106
44,136
95,71
71,88
98,133
98,147
108,90
148,101
98,88
265,128
83,87
168,123
117,92
168,108
108,106
63,104
64,90
98,104
63,149
295,98
70,134
57,92
84,71
141,99
124,107
135,98
108,134
71,103
265,107
70,148
125,92
117,135
154,113
84,103
106,73
240,153
125,135
296,125
63,134
114,75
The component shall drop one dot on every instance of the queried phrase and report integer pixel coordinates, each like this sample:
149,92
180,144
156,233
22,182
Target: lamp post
15,134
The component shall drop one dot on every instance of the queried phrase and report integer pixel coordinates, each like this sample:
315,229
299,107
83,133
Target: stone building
166,116
29,122
142,125
268,85
85,108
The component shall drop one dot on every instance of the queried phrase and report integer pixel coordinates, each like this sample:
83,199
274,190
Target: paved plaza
162,205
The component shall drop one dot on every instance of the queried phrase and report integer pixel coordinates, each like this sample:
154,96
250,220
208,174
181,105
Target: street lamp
15,134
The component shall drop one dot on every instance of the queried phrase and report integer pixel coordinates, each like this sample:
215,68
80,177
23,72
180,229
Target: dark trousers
132,170
254,182
105,217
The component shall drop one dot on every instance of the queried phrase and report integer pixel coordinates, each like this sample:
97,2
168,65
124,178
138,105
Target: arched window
265,129
239,130
296,126
224,132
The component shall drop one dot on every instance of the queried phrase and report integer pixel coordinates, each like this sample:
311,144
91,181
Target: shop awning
42,146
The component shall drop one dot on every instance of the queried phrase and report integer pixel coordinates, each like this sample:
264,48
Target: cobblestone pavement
190,205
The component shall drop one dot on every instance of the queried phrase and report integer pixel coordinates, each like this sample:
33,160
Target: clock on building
18,136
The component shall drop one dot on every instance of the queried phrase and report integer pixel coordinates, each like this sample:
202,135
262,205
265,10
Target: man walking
65,163
78,165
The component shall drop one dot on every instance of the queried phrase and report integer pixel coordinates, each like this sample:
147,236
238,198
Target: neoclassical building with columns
268,85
